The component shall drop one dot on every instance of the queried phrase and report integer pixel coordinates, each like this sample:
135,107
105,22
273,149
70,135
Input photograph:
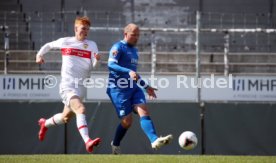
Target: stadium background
243,126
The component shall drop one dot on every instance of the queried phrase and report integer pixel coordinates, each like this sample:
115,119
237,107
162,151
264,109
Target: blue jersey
122,90
123,58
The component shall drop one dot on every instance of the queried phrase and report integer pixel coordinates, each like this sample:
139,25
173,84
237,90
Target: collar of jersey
78,40
124,42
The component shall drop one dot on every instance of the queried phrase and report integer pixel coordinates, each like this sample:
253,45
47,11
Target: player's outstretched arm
151,92
43,50
39,59
46,48
133,75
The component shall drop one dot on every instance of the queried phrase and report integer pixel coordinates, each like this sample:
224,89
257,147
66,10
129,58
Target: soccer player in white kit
78,57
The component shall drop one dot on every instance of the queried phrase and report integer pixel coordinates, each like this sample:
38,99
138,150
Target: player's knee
79,109
66,119
126,123
142,110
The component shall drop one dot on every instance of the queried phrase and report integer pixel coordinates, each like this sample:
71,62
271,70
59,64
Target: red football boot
43,129
91,143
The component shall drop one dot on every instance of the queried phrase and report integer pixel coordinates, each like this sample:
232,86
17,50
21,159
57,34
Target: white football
187,140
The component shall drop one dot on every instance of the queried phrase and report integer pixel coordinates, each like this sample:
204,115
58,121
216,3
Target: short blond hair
83,20
130,27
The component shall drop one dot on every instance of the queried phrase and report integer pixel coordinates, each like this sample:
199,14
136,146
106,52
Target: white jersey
77,58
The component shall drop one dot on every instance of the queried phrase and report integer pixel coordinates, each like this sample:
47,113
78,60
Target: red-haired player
78,56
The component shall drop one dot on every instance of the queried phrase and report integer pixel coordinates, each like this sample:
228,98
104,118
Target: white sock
82,127
57,119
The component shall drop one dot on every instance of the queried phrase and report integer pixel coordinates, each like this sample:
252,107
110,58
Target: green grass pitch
102,158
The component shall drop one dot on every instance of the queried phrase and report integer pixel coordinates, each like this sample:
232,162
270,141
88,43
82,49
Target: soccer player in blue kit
124,92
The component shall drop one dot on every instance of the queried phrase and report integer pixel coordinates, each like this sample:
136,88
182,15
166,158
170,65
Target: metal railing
173,37
23,62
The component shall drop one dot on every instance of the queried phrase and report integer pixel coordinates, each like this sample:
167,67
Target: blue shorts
124,99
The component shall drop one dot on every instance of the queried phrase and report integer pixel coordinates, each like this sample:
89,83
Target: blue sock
147,126
120,133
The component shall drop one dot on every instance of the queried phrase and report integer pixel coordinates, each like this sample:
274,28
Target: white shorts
67,92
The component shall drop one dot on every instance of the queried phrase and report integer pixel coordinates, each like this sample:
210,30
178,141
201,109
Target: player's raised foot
161,141
91,143
43,129
116,150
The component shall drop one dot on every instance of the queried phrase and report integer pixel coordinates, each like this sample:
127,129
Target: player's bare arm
97,56
151,92
133,75
39,59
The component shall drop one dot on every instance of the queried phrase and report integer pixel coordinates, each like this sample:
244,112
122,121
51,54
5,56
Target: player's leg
139,103
146,123
67,114
57,119
78,108
121,103
148,128
121,130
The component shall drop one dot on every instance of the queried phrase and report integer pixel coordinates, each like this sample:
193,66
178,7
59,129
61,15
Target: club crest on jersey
85,46
114,53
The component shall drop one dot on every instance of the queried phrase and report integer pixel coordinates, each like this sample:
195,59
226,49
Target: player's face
132,36
81,31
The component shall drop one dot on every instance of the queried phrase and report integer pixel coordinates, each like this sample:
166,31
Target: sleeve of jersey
142,83
113,59
50,45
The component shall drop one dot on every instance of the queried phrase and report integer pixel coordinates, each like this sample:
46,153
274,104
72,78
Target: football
187,140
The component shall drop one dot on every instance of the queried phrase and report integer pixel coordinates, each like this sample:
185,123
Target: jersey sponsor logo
67,51
76,52
134,61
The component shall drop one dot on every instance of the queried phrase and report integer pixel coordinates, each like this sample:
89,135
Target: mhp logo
254,84
15,83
